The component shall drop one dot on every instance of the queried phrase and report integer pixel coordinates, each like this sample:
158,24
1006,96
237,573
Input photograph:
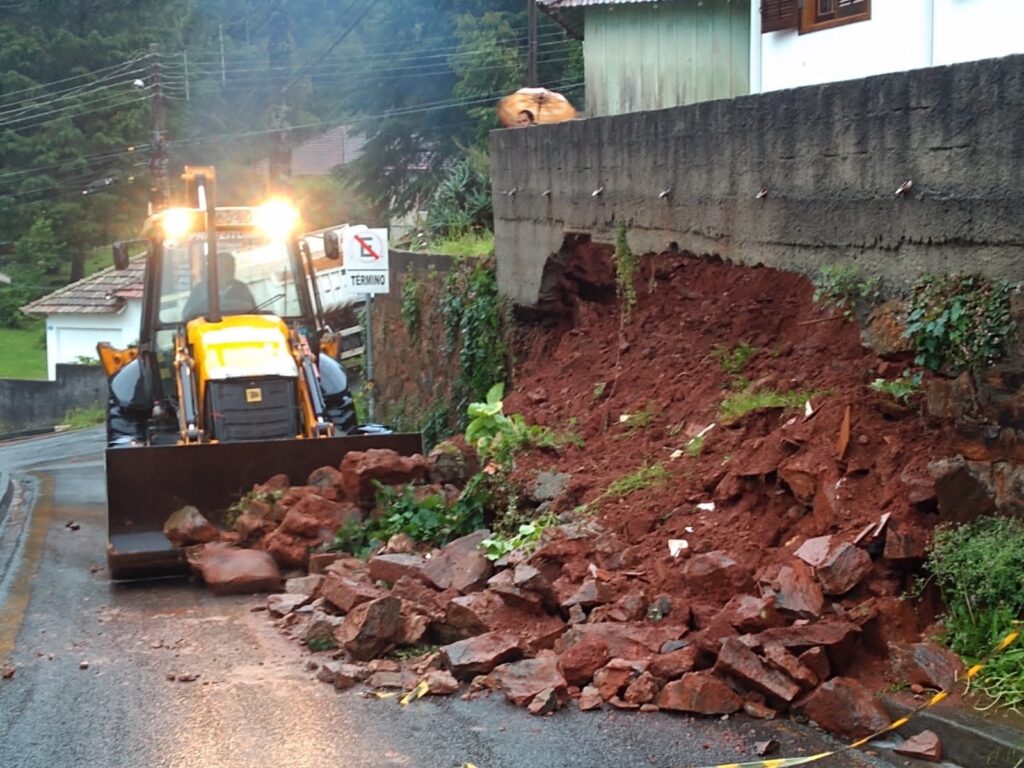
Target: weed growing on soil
902,389
694,446
411,310
644,477
318,644
424,518
526,538
80,418
625,271
242,505
979,569
413,652
500,437
599,389
959,322
733,361
739,405
842,286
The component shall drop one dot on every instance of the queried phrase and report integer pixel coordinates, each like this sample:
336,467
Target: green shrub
733,361
842,286
901,389
625,272
979,569
959,322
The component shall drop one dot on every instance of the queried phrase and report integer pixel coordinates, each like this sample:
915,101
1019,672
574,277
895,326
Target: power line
140,56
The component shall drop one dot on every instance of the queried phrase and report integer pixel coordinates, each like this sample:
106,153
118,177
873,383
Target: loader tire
341,410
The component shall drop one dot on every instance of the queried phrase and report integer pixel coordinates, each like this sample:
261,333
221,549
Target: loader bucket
145,485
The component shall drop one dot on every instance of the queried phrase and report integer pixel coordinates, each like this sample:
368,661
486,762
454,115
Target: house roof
103,293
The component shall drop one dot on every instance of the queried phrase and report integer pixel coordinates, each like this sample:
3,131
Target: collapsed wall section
793,179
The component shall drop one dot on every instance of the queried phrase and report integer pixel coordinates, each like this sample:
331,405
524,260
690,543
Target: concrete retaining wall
26,405
830,158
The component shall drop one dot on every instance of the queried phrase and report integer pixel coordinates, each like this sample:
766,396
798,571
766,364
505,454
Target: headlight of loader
276,218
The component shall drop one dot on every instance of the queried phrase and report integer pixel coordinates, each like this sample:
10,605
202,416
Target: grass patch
740,404
413,652
469,244
979,569
81,418
24,352
637,480
694,446
733,361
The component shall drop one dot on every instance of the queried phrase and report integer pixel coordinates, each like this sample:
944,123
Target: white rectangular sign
365,259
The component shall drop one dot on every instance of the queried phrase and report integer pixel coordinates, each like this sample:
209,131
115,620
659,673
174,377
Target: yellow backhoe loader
236,376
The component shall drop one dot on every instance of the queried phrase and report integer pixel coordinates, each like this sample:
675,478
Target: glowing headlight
177,222
276,218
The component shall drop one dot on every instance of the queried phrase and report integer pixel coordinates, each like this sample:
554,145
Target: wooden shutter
779,14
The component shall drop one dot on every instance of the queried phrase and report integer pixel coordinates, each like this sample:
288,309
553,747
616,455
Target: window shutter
779,14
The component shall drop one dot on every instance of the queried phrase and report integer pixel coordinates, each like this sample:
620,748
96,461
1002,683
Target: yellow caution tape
415,693
786,762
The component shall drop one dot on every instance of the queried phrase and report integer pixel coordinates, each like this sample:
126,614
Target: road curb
967,738
6,491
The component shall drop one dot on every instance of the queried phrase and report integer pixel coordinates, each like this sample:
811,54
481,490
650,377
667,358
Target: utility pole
161,188
223,74
280,59
531,7
184,56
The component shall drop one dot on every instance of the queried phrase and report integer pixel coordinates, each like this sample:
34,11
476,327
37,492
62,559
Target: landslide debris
796,515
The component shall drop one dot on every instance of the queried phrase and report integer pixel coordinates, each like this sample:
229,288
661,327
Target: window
811,15
824,14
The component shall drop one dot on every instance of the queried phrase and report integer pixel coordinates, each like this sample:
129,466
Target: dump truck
235,376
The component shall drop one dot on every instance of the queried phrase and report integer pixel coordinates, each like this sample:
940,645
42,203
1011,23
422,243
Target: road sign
365,259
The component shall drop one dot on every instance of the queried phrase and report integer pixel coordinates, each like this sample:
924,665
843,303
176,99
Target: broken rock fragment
737,660
283,604
843,706
481,654
798,593
188,526
699,692
580,661
924,746
521,681
229,571
370,628
345,593
391,568
714,570
460,565
359,469
842,569
925,664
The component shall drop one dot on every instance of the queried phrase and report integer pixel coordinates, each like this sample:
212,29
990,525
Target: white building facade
834,40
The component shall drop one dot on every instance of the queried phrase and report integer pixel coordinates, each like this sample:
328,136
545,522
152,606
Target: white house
106,306
831,40
651,54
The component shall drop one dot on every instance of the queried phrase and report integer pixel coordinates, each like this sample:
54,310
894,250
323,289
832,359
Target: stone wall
28,405
411,375
827,159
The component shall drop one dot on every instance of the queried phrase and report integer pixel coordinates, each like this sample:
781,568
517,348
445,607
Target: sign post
365,269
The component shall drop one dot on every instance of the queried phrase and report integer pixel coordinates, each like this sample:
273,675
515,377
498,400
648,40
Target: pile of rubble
762,570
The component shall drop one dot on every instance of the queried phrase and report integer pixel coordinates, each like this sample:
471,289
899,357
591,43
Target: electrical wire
139,57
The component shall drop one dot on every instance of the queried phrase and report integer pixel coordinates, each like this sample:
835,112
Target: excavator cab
236,376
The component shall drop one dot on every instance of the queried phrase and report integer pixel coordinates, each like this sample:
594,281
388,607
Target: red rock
288,550
845,708
228,571
283,604
905,541
842,569
783,660
737,660
276,482
360,469
384,665
521,681
814,551
798,593
590,698
747,613
801,474
481,654
618,703
441,683
391,568
321,629
925,664
642,690
385,679
759,710
303,585
460,565
502,584
400,544
627,641
452,461
250,526
528,578
291,496
324,477
613,677
413,626
545,702
714,571
826,633
816,660
633,607
370,628
675,664
699,692
590,593
318,561
580,661
187,526
345,593
415,591
479,612
924,746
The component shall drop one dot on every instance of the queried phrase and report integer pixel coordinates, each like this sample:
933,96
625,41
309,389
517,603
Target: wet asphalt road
254,703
